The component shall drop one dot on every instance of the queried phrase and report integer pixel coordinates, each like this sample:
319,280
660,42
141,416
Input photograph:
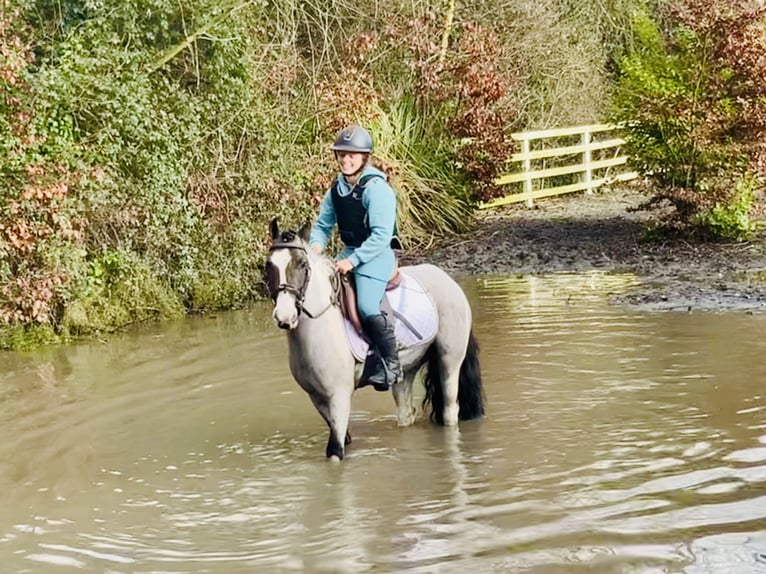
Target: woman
363,206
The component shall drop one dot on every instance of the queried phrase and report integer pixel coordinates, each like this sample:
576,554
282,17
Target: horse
304,287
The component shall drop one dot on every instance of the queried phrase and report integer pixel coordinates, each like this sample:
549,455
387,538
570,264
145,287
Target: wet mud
607,231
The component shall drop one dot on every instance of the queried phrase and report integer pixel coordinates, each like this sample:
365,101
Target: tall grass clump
428,184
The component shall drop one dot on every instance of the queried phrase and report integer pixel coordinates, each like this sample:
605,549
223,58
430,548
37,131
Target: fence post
527,169
586,159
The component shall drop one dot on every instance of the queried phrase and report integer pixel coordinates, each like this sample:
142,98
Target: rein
300,292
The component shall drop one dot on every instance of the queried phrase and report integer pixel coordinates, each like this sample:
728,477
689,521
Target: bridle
299,292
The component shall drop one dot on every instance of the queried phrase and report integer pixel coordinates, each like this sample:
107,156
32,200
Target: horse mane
321,260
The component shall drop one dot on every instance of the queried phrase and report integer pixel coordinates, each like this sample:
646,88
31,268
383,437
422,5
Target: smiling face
350,162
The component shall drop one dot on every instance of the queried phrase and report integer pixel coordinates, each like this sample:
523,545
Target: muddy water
616,441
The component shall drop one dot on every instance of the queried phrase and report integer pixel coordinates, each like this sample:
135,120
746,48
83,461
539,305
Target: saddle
406,300
348,298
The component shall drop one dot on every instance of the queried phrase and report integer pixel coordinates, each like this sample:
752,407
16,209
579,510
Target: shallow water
615,441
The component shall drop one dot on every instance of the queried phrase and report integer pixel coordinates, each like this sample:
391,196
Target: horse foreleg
335,410
340,412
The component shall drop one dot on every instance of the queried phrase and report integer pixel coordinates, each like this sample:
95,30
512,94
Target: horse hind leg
451,407
442,383
406,413
453,384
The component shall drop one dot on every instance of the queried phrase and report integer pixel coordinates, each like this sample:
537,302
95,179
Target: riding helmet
354,139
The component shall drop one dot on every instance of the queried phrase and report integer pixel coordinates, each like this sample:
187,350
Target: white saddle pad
411,302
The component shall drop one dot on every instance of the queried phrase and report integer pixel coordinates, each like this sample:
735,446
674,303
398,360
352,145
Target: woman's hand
344,266
316,249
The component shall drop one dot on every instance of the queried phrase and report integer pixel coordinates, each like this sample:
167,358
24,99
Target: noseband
299,293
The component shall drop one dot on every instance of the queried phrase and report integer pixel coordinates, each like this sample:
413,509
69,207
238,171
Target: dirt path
603,231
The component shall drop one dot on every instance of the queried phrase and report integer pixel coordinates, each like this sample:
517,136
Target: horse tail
470,393
433,382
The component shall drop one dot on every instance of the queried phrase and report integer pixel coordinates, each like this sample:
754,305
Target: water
615,441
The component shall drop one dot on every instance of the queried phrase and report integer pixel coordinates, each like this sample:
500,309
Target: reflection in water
616,441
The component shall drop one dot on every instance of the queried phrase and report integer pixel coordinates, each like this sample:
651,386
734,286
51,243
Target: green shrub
120,290
29,336
732,220
692,101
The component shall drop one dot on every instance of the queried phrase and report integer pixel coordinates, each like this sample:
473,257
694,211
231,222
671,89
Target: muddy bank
605,231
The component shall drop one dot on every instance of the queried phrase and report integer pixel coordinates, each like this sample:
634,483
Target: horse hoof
405,421
334,458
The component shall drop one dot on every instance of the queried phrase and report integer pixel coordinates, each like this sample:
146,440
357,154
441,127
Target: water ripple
615,441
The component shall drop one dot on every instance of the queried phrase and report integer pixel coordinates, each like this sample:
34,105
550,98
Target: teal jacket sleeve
380,201
320,232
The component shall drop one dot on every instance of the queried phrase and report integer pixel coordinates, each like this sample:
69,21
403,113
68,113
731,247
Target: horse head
288,272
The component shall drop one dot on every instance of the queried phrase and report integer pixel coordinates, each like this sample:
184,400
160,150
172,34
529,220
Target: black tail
470,394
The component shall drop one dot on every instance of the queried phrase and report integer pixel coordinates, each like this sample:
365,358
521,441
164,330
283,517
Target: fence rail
533,159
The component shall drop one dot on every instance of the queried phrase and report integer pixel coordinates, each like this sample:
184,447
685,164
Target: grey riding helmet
353,139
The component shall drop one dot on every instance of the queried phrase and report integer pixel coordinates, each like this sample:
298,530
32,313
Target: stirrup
375,368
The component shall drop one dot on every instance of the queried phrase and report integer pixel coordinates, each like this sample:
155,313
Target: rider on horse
363,205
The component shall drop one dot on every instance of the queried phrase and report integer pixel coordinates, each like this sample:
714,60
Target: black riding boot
382,369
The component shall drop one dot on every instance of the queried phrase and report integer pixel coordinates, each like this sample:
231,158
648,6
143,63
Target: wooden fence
586,154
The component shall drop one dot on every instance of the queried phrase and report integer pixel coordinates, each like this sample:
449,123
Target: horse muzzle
286,326
285,312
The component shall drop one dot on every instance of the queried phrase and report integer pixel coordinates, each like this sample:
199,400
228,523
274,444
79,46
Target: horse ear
305,231
274,229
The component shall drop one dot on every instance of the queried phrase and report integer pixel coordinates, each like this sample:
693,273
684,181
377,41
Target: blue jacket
380,202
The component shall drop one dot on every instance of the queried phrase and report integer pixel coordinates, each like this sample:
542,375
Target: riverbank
607,231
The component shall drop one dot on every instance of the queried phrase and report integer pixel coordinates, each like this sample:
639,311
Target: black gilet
350,212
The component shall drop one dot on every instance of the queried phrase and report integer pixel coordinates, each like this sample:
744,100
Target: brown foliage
735,33
33,211
209,197
28,225
470,82
29,299
346,98
483,112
